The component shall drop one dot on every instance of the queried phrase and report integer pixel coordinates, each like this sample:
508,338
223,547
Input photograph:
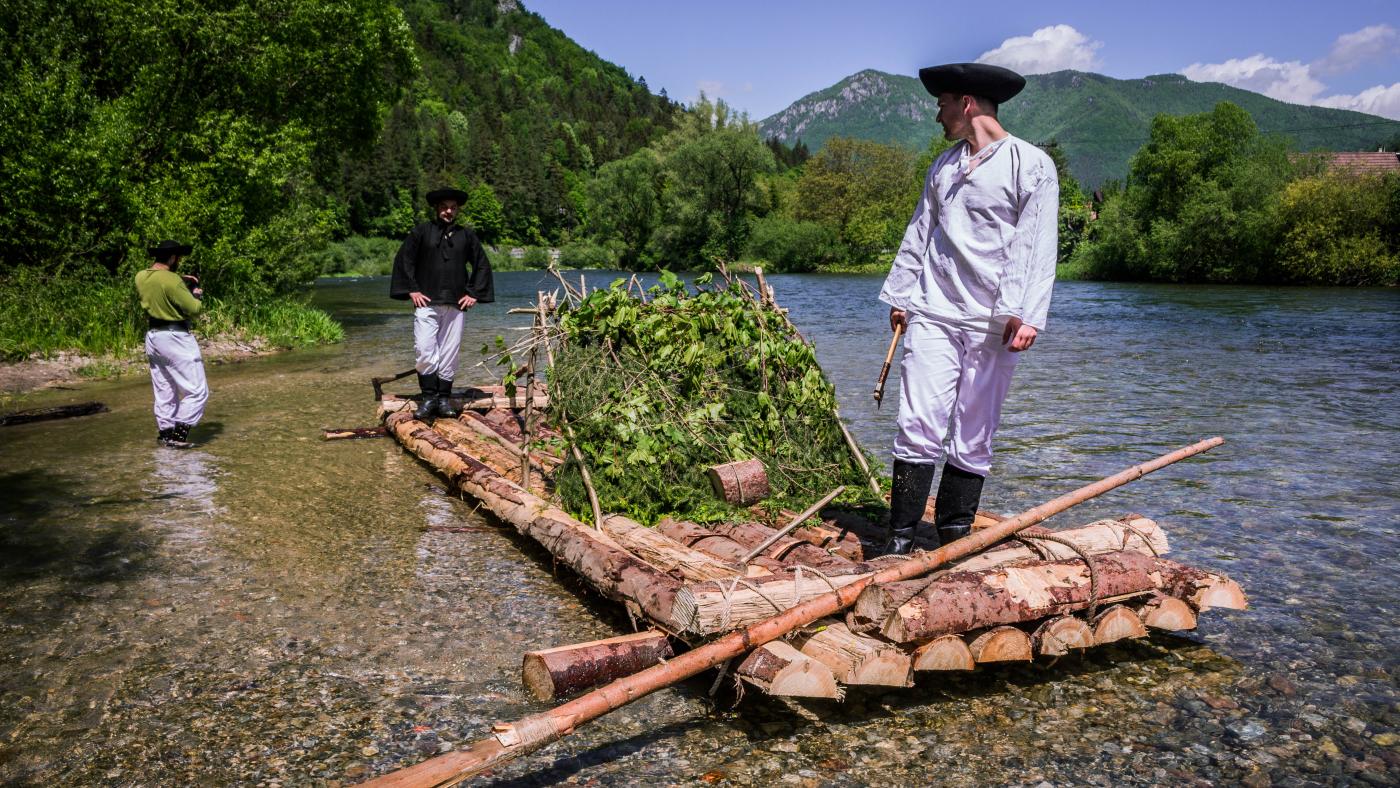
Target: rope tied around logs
1139,534
1079,551
530,732
739,580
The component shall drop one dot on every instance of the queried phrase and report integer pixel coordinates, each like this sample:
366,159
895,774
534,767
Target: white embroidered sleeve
1029,276
902,283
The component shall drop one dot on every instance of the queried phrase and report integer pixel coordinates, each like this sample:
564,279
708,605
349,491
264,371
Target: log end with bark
741,483
1167,613
1001,644
564,670
1059,635
949,652
779,669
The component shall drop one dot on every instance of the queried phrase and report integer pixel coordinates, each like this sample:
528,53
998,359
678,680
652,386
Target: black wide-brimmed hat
438,195
972,79
164,249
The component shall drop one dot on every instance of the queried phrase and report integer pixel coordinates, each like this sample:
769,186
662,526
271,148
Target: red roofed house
1349,163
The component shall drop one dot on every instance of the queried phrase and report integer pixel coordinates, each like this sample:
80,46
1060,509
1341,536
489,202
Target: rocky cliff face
865,98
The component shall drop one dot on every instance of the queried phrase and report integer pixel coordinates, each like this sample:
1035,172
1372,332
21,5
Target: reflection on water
270,607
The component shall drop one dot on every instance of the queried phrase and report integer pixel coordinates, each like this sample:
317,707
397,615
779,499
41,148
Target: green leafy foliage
658,390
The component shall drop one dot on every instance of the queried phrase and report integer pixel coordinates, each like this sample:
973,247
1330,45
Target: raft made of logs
1043,595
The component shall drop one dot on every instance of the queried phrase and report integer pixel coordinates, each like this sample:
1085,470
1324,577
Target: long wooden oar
512,740
885,370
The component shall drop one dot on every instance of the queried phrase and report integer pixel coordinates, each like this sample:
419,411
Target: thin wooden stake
578,456
796,521
511,740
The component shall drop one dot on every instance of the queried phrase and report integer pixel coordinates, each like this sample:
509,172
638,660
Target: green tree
1341,229
623,204
484,214
862,191
711,192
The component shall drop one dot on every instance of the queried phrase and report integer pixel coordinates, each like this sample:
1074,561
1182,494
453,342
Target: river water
271,609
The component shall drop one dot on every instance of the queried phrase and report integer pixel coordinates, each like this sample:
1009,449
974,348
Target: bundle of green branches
659,386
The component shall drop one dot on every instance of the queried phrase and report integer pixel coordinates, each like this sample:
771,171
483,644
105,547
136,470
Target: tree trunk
665,553
962,600
741,483
721,547
489,452
949,652
1000,644
1201,589
564,670
779,669
609,568
1100,536
1056,636
856,659
709,608
786,549
1116,623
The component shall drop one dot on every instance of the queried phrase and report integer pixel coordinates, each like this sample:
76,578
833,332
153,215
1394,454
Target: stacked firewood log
1041,596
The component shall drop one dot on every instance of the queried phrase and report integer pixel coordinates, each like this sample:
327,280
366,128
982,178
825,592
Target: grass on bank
100,316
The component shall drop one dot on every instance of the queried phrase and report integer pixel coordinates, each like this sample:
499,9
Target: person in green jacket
177,368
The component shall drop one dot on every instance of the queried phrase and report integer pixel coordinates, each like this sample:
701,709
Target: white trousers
177,377
437,340
953,383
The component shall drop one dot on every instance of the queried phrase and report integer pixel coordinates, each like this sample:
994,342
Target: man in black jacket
442,268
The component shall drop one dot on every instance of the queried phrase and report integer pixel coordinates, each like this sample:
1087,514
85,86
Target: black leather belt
156,324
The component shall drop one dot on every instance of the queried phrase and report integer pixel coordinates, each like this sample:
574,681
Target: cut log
564,670
392,404
476,422
779,669
709,608
960,600
785,549
1167,613
722,547
856,659
949,652
489,452
49,414
352,433
1139,535
1201,589
1000,644
1057,636
741,483
1116,623
597,557
665,553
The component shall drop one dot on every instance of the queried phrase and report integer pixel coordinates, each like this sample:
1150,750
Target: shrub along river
268,608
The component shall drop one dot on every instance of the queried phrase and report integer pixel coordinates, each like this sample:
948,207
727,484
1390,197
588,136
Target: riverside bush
791,246
658,390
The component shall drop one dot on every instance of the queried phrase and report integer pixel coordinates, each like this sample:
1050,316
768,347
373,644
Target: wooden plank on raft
779,669
564,670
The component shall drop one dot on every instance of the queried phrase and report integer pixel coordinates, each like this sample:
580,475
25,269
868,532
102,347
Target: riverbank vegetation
295,140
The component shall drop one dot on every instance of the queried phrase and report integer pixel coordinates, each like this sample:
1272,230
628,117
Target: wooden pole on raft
796,521
512,740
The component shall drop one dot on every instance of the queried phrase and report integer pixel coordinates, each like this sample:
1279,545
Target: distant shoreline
68,369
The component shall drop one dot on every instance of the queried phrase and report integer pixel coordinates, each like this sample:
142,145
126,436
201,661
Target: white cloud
1289,81
712,88
1376,42
1048,49
1379,100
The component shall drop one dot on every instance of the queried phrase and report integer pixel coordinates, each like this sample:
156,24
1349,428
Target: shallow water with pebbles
271,609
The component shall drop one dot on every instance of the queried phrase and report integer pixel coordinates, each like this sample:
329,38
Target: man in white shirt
971,284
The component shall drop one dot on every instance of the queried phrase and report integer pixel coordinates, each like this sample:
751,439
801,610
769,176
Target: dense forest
287,139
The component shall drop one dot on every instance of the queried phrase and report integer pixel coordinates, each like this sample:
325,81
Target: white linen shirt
981,247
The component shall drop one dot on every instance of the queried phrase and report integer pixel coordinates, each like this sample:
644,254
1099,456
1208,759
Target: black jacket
443,263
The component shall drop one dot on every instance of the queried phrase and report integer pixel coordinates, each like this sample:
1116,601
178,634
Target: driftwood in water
779,669
564,670
607,566
665,553
49,414
721,547
949,652
1115,623
741,483
1057,636
961,600
856,659
351,433
785,549
513,739
1000,644
1166,613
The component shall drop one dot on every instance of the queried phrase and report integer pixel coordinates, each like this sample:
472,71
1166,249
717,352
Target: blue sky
761,56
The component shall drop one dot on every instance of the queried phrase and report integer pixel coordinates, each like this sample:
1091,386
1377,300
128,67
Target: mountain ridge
1100,121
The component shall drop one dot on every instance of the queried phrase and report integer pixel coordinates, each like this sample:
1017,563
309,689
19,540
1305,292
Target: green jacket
164,295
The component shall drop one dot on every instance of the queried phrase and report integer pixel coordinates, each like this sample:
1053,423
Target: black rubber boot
959,493
908,495
445,408
428,405
177,437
